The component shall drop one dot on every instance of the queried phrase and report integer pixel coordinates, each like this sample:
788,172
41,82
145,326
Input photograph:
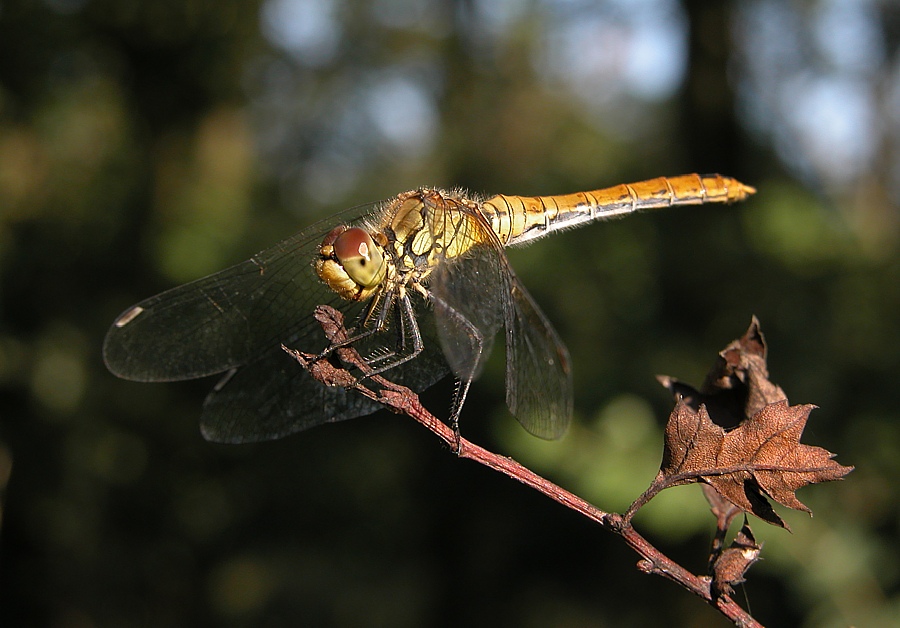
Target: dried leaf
737,386
761,458
731,565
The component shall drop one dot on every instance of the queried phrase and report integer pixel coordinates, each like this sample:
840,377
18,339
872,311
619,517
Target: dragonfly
426,283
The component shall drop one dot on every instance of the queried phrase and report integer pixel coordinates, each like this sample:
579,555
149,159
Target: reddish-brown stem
404,401
652,560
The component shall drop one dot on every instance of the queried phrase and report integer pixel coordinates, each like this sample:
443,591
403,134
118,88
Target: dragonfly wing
272,398
236,320
227,319
480,291
468,310
538,369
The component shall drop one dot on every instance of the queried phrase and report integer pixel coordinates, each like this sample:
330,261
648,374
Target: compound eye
360,257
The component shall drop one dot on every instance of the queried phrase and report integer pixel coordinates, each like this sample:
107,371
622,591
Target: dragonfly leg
403,334
408,329
459,398
373,321
369,322
464,348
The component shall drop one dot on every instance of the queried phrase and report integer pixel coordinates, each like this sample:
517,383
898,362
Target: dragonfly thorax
351,263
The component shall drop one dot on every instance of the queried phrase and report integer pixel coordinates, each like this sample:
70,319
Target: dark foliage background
143,144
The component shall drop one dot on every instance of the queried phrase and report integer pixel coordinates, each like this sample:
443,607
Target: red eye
360,257
353,242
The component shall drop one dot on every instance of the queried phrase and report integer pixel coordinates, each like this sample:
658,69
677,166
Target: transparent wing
468,305
538,370
271,398
479,290
236,320
229,318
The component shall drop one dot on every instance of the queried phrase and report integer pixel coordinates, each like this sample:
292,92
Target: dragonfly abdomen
520,219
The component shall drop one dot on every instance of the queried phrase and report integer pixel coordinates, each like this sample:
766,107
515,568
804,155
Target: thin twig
404,401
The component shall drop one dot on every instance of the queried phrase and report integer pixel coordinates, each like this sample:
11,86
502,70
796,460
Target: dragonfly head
351,263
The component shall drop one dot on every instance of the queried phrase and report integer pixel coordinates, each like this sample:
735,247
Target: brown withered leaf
737,386
761,458
732,563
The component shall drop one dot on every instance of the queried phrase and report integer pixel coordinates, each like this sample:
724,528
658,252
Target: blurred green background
144,144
